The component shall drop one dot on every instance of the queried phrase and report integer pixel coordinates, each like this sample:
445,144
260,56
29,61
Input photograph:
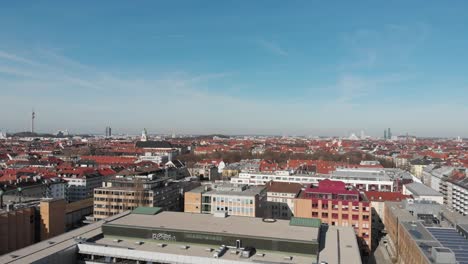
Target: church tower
144,135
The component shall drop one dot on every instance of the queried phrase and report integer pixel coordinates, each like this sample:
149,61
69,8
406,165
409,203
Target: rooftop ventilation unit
247,252
220,252
220,214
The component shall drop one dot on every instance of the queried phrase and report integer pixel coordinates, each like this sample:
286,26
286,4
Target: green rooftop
147,210
308,222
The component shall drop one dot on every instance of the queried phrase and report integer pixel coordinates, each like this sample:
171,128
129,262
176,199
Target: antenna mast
33,116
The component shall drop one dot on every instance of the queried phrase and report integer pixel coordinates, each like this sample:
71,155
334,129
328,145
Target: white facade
422,194
221,167
280,205
456,197
80,188
369,184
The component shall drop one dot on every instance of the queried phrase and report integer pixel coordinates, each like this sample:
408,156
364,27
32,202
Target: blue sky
236,67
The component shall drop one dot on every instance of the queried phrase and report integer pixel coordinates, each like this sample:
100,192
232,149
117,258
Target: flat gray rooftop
238,225
195,253
340,246
251,191
420,189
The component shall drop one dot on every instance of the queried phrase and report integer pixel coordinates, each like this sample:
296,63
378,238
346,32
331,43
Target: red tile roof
385,196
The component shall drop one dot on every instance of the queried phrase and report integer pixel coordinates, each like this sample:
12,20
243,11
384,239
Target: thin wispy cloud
272,47
15,58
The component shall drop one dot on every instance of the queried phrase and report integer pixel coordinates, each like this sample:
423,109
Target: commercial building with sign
149,236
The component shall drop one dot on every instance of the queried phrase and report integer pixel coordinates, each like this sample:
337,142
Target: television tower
33,116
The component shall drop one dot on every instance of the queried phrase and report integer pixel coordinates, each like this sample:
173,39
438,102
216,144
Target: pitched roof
283,187
153,144
385,196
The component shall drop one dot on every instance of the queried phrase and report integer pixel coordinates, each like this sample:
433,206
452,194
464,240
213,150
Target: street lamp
1,198
20,193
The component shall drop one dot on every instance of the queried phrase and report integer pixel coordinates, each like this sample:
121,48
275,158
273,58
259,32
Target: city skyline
218,68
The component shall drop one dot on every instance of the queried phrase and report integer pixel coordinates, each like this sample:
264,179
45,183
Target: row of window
344,216
343,207
232,200
116,200
236,210
146,194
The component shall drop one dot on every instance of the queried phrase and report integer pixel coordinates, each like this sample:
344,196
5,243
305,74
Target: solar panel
452,239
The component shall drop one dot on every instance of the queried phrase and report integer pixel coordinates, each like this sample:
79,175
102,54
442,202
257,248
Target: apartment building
338,205
34,190
455,193
377,200
230,199
280,199
205,171
81,182
121,193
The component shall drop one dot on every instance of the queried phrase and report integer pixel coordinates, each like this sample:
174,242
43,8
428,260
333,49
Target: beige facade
339,213
111,201
17,229
52,217
239,200
129,192
193,202
403,247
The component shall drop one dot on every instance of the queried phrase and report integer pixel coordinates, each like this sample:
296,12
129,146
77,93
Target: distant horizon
230,135
268,68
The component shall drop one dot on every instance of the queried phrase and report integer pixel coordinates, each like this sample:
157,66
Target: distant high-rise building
389,134
385,134
108,132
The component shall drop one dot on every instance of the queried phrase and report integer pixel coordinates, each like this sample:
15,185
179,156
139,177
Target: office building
227,198
108,133
126,192
413,239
